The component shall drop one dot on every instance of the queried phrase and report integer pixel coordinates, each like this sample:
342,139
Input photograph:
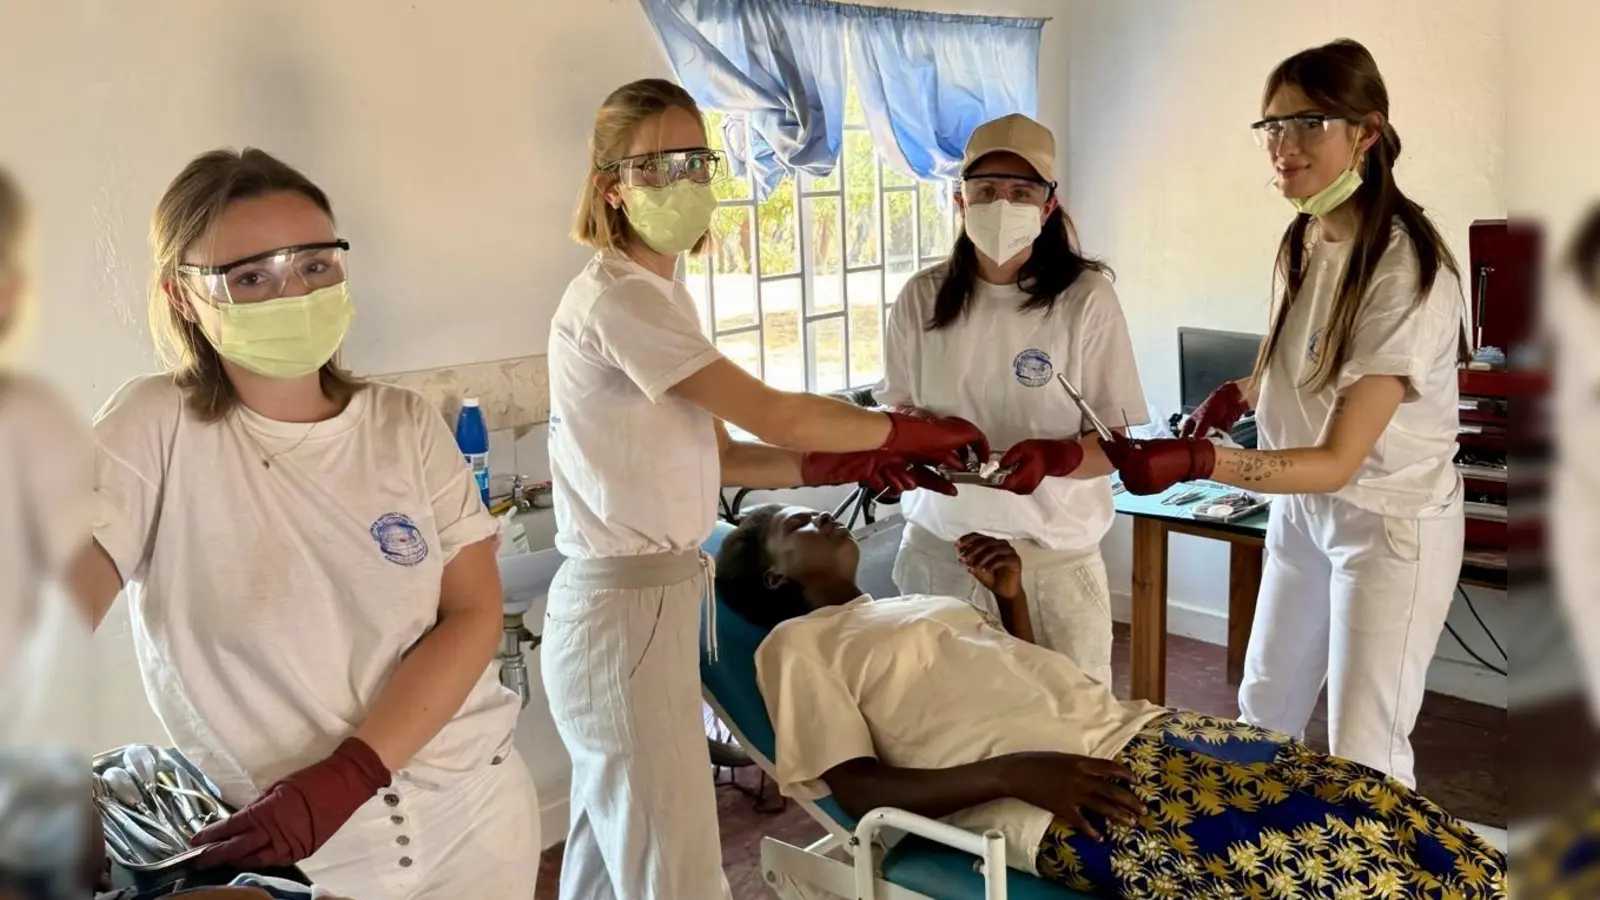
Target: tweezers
1083,407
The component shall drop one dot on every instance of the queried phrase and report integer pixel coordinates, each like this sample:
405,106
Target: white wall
1166,183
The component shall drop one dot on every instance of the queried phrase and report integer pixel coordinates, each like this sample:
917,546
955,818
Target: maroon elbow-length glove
1222,410
296,816
1037,459
933,440
1152,466
886,475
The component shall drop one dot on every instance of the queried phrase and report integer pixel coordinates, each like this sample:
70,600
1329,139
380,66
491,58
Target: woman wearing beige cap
983,336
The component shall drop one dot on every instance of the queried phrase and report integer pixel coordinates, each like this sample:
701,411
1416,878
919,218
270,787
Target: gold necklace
267,458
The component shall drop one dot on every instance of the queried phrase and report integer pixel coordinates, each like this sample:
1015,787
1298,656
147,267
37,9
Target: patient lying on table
927,704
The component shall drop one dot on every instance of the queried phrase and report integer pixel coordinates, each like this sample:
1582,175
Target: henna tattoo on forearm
1258,467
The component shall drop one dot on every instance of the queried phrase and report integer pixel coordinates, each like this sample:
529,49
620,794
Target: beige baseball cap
1017,134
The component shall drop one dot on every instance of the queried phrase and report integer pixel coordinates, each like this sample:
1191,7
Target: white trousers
478,837
620,660
1069,599
1356,600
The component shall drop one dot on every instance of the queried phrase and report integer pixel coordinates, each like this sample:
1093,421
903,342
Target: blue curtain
928,80
777,63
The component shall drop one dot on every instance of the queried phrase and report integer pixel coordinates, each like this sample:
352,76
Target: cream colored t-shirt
635,470
929,683
270,606
1410,472
996,367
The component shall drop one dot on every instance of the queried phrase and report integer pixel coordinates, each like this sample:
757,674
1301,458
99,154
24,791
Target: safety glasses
699,165
270,275
1013,188
1301,129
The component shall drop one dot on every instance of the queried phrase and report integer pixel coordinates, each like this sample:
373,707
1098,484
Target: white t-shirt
1410,472
46,470
634,470
270,606
996,367
930,683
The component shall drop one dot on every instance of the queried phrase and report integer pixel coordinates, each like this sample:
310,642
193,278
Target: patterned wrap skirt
1238,811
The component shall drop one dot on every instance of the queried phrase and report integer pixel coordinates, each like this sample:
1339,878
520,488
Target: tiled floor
1459,747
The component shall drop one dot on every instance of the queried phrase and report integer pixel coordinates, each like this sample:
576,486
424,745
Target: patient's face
806,546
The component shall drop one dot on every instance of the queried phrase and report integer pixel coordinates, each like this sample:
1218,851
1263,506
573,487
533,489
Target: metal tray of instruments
988,474
151,801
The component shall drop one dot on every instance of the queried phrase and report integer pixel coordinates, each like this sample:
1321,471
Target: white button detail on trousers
477,837
1069,599
621,664
1358,600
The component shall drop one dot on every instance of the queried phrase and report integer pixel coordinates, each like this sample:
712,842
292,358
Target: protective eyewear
700,165
1303,129
273,274
1013,188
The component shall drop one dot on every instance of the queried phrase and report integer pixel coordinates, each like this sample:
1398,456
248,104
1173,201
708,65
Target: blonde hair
596,222
191,205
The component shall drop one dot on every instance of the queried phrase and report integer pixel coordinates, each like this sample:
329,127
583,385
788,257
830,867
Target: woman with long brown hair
983,335
309,567
1355,394
638,456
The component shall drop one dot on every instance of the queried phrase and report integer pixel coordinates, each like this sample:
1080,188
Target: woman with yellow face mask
638,456
310,570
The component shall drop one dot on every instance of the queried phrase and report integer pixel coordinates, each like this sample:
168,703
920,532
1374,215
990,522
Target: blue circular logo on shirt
399,539
1314,345
1033,368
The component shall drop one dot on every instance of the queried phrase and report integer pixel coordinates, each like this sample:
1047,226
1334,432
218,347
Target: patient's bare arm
1068,786
996,566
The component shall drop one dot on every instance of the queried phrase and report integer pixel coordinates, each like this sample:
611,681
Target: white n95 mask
1002,229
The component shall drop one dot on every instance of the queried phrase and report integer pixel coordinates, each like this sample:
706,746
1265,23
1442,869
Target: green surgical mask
289,337
670,219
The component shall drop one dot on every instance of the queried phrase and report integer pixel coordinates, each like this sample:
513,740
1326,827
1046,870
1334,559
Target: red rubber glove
887,475
1037,459
1152,466
1222,410
297,815
933,440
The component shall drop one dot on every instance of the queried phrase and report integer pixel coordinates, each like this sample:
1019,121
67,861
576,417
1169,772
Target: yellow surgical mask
1336,193
289,337
671,219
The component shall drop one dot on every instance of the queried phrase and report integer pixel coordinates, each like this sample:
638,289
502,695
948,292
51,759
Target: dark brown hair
1583,257
1052,267
191,205
1342,79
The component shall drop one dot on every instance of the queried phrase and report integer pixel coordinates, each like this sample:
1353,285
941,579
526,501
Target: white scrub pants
1069,600
1357,600
477,837
621,663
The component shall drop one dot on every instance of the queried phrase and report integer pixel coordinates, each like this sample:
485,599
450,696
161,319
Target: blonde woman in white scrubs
983,336
310,571
1356,392
638,457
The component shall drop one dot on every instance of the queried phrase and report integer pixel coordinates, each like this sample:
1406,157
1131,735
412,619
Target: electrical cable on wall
1461,589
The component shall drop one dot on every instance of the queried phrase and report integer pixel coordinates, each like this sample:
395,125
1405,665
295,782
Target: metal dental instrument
1100,428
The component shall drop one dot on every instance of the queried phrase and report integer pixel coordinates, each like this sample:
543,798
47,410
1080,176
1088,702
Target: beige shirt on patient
929,683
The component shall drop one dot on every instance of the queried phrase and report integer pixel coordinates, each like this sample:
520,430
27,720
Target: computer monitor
1207,358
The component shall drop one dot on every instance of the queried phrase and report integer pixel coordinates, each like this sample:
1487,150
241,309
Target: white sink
525,580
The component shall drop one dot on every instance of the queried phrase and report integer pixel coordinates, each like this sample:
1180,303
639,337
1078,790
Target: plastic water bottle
472,436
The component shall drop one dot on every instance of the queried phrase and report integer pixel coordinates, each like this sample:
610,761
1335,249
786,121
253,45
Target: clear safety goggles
1013,188
270,275
701,166
1302,130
